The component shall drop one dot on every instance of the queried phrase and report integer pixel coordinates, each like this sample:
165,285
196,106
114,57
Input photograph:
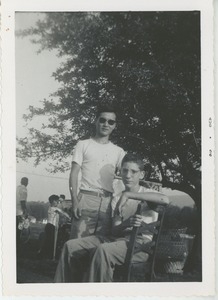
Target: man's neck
134,189
101,139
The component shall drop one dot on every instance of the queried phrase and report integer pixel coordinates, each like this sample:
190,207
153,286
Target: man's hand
76,211
73,184
135,221
67,216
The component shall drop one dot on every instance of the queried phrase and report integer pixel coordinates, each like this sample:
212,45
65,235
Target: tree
147,64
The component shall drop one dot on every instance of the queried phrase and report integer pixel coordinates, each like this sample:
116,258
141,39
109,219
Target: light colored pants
92,259
95,218
75,258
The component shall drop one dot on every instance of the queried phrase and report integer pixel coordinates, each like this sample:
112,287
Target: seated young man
93,258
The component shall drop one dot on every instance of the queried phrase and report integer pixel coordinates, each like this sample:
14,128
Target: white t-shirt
21,195
98,163
53,216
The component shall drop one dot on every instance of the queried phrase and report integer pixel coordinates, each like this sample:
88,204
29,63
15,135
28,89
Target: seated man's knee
70,246
102,250
99,250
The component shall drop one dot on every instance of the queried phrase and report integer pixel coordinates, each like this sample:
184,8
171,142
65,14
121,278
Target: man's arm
120,228
73,185
60,211
120,158
23,207
150,197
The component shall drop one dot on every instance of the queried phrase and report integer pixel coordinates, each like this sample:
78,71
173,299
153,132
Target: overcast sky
34,82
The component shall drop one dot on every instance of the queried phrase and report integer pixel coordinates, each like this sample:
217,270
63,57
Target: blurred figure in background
61,199
62,206
48,248
21,208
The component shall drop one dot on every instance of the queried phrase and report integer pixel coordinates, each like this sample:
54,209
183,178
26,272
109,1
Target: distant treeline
39,210
175,217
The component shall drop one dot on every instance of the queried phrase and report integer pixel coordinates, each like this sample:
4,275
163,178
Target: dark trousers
48,242
18,231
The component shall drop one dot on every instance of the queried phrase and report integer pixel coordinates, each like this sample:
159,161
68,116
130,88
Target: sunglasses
110,122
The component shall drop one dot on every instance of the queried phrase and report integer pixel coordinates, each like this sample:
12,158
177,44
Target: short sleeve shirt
98,164
21,195
129,209
53,216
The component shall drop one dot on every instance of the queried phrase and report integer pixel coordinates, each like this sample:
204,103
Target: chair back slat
161,213
131,246
149,247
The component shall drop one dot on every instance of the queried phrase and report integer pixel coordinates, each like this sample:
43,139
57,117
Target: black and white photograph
109,154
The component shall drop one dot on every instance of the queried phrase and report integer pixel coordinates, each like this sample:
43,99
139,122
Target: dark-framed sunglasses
110,122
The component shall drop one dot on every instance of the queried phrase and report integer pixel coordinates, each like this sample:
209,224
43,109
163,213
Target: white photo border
10,287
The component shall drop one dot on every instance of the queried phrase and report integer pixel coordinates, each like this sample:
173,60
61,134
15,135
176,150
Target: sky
34,82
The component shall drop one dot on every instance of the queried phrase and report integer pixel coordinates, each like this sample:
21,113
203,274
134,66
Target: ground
31,269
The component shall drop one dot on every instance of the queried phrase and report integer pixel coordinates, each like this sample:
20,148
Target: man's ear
142,174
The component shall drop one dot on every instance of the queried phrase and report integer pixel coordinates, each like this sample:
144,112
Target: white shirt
21,195
53,216
98,163
130,207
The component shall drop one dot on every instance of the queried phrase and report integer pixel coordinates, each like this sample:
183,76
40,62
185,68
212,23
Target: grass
31,269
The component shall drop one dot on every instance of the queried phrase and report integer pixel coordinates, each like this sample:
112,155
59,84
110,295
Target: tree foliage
147,64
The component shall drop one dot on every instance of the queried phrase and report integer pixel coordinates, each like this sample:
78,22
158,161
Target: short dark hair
135,158
53,198
62,196
24,181
105,108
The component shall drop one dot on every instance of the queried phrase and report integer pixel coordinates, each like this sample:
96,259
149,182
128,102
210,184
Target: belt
97,194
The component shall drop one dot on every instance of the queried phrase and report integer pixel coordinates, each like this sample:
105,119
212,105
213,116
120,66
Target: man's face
105,124
55,203
131,174
24,182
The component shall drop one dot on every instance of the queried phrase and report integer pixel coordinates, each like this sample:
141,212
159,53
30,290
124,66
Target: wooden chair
141,270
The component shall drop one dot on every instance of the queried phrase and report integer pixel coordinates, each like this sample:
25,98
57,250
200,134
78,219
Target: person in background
61,199
93,258
51,228
62,206
96,160
21,207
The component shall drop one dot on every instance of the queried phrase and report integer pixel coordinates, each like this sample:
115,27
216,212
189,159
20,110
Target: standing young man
97,160
21,209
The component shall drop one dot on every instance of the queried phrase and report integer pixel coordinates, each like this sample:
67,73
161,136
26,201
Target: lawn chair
141,271
173,250
176,241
